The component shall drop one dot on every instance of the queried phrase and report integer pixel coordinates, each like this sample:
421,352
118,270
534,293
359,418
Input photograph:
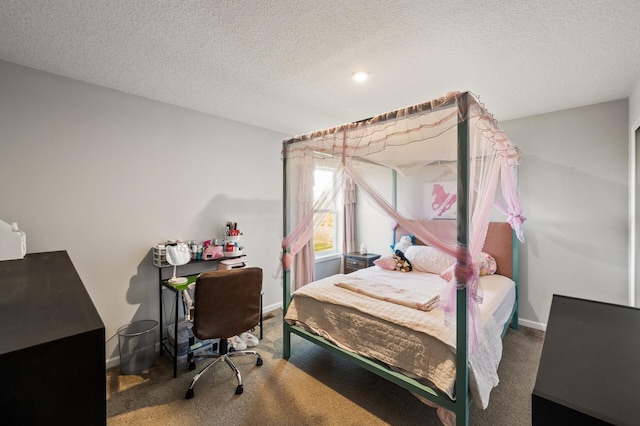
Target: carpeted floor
313,387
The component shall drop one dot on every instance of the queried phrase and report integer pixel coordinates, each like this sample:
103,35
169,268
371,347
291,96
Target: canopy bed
436,170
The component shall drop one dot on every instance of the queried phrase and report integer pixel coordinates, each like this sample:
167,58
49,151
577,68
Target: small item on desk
227,264
212,252
177,255
160,255
232,229
13,242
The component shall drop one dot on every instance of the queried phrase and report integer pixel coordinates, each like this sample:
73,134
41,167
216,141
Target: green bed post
394,199
286,275
516,277
462,359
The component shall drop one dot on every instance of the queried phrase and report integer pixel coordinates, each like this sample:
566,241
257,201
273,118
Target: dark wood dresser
52,344
590,365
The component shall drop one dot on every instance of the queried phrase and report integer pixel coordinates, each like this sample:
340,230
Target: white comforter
411,340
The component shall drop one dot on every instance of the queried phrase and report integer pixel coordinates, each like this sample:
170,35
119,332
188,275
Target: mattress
410,340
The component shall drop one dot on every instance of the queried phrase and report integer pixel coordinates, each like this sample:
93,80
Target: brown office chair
227,303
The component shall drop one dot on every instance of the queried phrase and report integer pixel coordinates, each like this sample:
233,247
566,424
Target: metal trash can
137,344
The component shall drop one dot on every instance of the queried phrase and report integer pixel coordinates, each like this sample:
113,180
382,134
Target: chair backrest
227,303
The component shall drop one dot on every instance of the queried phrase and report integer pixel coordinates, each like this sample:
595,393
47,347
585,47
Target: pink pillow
447,274
387,262
486,264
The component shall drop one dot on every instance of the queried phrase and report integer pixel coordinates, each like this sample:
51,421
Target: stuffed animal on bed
402,264
405,242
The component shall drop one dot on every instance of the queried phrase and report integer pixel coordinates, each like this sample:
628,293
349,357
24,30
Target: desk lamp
178,255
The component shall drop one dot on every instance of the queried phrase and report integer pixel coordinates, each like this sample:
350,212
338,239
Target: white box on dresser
13,242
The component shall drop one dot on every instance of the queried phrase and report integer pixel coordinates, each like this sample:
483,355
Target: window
325,236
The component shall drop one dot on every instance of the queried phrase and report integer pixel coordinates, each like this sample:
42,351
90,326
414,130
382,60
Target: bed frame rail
378,369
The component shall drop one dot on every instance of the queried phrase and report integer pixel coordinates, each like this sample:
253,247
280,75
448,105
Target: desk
590,365
191,272
52,356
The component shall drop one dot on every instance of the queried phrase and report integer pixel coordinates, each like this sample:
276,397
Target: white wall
105,176
373,228
634,123
574,185
634,108
573,182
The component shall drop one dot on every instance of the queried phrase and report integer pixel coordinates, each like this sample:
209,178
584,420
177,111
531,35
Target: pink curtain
349,197
304,261
305,216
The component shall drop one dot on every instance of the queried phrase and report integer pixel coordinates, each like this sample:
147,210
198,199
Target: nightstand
355,261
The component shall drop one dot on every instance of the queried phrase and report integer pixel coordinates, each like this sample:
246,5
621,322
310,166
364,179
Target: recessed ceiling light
360,76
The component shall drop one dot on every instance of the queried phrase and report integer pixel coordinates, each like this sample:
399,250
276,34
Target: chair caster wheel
192,365
239,390
259,362
189,394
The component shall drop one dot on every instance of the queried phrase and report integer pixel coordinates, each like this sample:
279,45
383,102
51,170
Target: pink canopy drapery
420,144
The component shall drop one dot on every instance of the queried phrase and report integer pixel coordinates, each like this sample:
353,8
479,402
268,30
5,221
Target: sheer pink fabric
297,246
349,201
414,142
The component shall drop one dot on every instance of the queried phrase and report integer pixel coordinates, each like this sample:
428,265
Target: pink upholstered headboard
499,241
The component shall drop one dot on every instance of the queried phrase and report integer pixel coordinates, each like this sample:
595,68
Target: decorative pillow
447,274
486,264
428,259
405,242
387,262
402,264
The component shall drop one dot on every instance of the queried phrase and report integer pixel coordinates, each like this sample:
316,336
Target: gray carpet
313,387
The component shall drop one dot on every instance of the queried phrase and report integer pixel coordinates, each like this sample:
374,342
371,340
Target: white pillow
428,259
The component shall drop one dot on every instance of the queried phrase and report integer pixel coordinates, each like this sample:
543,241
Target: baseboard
115,361
275,306
532,324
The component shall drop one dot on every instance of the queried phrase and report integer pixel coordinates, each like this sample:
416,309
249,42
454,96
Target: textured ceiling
286,65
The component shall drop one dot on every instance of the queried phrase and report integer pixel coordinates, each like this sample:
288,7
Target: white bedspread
423,298
408,339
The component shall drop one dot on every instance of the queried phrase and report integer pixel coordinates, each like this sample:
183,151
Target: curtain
349,242
304,264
